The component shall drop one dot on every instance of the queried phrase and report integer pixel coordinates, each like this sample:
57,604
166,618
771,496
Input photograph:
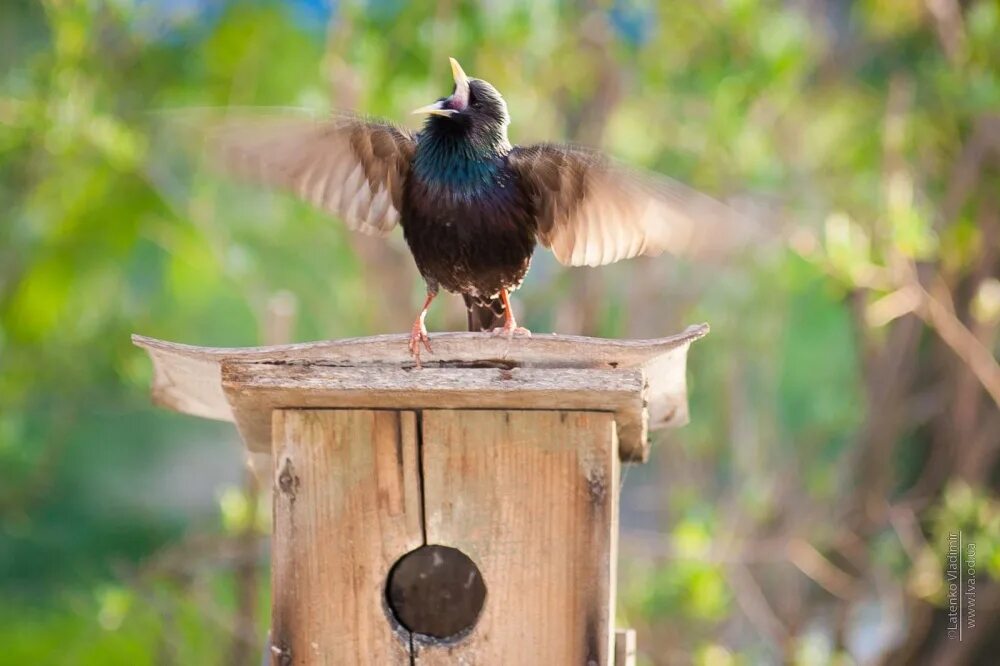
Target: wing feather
349,166
592,211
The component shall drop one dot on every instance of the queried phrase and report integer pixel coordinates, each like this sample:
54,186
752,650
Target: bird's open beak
460,96
436,109
457,73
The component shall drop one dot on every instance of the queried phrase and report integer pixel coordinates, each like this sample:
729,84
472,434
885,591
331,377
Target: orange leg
418,334
510,327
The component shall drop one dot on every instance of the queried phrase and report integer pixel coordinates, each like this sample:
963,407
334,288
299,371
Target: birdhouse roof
641,381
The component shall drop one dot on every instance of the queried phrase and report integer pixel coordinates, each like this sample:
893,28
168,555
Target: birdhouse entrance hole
436,591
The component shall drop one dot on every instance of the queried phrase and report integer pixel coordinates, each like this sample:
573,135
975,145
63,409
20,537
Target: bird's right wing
349,166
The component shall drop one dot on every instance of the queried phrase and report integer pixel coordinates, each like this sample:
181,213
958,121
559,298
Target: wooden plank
188,378
545,350
254,389
346,507
532,498
625,647
667,394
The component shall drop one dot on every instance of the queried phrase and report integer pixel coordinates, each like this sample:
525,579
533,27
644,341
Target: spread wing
592,211
348,166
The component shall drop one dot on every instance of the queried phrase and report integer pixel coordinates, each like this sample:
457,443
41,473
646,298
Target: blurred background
844,409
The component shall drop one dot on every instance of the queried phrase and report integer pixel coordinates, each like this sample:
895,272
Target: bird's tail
484,315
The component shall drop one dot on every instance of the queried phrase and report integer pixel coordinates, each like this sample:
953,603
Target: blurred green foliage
847,129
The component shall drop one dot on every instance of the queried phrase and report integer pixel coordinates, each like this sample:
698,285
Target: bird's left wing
592,211
349,166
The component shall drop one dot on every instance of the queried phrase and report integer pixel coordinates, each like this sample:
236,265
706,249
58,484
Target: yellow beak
435,109
458,73
461,87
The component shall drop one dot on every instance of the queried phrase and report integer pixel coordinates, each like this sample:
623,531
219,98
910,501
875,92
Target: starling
471,205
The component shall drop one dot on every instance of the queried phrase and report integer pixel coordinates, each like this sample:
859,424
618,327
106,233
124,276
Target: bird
472,206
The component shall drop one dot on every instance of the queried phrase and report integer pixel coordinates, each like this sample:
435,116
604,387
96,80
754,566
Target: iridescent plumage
472,206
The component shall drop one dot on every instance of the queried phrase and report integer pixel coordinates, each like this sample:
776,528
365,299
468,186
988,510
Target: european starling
472,206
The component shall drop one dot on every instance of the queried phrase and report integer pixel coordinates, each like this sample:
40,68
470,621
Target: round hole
436,591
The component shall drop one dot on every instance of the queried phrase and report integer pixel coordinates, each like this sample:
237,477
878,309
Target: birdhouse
465,512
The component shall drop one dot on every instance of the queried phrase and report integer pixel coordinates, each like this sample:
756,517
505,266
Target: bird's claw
418,336
509,331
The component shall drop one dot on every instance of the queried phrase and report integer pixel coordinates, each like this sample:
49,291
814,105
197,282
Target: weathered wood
507,450
532,498
546,350
255,389
346,507
625,647
191,379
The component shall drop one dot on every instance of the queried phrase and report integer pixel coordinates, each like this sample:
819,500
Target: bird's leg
418,334
510,327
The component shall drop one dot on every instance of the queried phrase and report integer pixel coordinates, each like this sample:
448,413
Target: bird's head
475,109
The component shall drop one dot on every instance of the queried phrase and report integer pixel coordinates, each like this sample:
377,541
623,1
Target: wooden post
462,513
625,647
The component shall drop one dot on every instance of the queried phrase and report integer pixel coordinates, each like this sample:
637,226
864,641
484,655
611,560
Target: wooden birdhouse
462,513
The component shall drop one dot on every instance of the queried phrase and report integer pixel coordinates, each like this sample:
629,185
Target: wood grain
539,350
256,389
532,498
346,507
188,378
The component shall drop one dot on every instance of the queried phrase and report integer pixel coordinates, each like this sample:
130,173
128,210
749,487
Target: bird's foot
418,336
511,329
